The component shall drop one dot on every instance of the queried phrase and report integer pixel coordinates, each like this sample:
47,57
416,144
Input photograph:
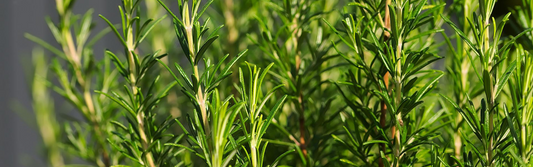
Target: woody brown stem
383,118
386,20
386,77
303,145
293,47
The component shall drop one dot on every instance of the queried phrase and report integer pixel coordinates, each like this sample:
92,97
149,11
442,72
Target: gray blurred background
20,142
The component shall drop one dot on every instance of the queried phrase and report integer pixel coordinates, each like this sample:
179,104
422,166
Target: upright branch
213,117
138,107
490,53
489,72
188,22
72,34
131,52
255,103
74,53
398,58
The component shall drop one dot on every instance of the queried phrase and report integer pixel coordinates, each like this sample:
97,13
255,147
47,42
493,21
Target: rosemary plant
389,81
212,118
520,91
301,64
490,56
254,105
143,140
325,83
76,69
44,109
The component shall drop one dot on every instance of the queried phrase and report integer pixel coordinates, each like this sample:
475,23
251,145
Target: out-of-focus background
20,143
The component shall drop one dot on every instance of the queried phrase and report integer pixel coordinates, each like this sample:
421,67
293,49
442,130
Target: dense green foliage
289,83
